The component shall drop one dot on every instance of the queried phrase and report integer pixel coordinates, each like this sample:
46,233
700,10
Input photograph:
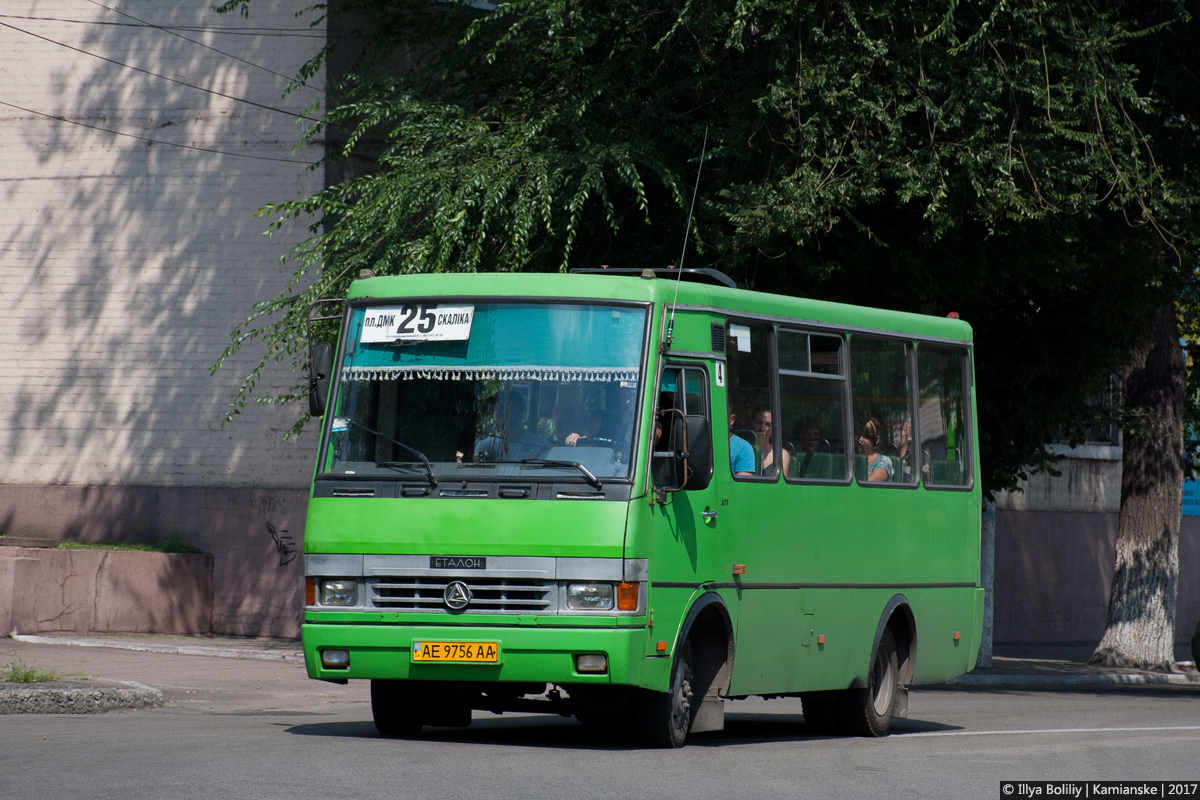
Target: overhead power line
202,44
152,141
263,106
299,33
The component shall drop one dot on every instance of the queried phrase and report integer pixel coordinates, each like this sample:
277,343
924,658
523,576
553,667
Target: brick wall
124,264
129,249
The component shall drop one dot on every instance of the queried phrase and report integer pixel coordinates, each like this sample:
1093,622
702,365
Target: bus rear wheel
869,711
397,709
664,718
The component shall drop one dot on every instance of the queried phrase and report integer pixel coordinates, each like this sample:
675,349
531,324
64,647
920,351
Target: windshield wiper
550,462
428,469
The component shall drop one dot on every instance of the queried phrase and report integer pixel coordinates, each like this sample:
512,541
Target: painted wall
135,148
1055,549
99,591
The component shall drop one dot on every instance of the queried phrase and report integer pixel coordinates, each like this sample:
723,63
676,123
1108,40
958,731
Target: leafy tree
1023,163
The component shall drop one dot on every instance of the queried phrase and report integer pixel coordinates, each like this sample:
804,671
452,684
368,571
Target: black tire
396,708
664,718
821,712
868,712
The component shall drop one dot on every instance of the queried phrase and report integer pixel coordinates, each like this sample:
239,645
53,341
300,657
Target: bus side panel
941,614
826,560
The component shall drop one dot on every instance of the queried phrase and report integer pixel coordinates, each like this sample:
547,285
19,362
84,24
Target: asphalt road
260,729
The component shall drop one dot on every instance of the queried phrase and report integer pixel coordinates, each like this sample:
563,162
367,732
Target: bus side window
884,451
812,405
942,422
753,449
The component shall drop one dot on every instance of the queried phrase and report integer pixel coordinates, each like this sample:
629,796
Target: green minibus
634,495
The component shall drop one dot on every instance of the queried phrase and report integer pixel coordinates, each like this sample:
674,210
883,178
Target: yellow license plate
457,652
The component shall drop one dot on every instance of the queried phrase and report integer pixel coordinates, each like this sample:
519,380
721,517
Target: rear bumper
527,654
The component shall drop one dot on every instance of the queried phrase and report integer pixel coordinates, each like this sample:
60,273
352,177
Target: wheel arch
898,616
709,628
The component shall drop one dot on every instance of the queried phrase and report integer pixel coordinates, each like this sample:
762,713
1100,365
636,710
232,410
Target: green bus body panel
819,559
465,526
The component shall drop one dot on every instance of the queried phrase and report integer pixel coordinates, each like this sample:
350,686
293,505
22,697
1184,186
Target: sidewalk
102,672
1065,666
1045,667
288,650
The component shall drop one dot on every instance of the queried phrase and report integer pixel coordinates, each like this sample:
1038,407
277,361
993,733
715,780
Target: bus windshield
488,390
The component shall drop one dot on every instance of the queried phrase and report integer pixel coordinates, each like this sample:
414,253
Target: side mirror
320,364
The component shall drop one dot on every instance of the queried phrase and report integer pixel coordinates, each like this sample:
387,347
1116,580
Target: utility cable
287,78
298,33
292,114
152,141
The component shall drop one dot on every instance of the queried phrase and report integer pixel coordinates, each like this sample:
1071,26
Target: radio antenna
686,233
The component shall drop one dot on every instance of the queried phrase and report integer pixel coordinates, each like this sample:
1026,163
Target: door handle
708,514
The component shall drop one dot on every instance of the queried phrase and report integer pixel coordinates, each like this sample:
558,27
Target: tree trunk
1141,608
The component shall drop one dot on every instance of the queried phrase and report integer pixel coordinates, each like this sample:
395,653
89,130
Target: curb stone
76,697
1078,679
216,649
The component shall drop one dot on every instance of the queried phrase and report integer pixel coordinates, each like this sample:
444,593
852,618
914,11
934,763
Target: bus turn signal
627,596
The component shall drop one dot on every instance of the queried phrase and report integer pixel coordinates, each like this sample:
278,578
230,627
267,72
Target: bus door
684,521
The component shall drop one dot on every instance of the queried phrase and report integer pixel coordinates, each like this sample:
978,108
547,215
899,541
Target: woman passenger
762,429
879,466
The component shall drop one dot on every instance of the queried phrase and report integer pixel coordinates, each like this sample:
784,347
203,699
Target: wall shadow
137,146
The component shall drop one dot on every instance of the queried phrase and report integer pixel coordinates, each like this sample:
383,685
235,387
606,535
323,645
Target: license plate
457,652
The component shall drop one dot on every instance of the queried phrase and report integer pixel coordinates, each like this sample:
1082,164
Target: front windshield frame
532,473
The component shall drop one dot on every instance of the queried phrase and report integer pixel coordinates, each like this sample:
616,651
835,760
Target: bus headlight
338,592
590,596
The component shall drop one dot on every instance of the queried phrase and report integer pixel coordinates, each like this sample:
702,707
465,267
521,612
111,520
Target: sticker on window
417,324
741,334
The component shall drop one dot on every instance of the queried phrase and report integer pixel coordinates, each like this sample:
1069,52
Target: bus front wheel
396,708
665,717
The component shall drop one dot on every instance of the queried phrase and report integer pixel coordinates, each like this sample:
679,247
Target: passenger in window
741,454
879,466
807,435
762,429
902,439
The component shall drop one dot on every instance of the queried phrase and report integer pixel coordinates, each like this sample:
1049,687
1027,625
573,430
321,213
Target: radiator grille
488,595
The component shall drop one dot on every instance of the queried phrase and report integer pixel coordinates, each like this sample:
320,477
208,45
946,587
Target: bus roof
598,286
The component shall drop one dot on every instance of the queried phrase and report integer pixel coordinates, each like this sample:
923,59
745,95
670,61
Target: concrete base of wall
104,591
255,537
1054,574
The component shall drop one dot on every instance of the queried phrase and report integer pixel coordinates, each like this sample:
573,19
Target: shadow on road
546,731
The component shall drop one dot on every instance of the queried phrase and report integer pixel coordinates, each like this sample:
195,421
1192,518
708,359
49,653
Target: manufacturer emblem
457,596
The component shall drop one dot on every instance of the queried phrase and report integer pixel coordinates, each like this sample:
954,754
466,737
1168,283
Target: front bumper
527,654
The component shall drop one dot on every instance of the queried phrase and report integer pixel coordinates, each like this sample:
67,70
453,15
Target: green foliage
1023,163
18,672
